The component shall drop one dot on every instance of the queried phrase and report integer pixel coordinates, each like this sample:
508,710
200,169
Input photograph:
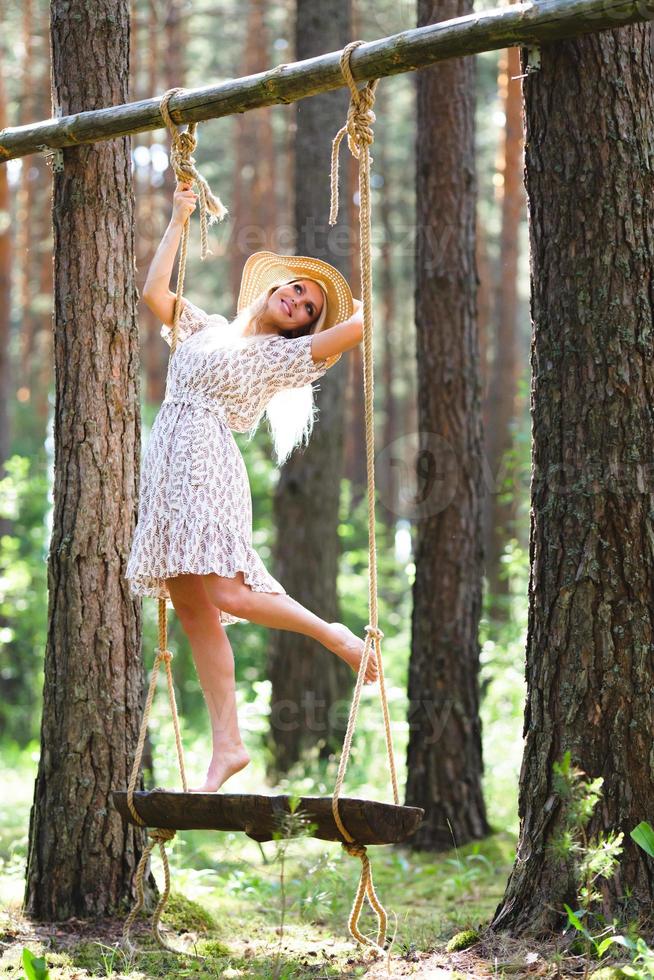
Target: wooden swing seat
258,817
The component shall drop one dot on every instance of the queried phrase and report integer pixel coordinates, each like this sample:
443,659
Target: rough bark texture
444,761
81,856
502,396
590,675
388,286
5,301
254,214
307,681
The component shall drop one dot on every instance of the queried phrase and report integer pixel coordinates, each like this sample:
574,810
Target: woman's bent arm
156,291
157,294
339,338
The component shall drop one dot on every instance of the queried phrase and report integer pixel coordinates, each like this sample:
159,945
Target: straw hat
265,270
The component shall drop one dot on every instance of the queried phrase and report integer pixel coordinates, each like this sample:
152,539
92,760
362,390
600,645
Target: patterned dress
195,505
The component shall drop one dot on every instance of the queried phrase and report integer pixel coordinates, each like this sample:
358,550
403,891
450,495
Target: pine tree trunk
5,299
150,214
355,430
504,375
41,190
24,209
254,215
589,151
444,761
307,680
81,856
388,326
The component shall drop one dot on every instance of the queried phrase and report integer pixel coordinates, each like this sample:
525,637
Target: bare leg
279,611
214,662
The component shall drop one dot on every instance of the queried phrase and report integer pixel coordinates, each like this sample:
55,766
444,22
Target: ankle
222,743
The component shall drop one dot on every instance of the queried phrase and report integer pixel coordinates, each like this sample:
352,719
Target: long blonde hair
292,412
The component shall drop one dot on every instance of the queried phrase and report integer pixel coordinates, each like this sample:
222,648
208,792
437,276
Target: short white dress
195,504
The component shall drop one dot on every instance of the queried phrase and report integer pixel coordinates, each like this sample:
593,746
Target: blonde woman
193,540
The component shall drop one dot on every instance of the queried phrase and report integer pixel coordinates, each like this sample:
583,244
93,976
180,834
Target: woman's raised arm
339,338
157,294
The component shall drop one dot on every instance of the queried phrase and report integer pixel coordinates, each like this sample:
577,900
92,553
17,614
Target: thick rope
182,146
360,137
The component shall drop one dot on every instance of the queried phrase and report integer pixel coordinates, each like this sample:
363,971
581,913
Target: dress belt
200,404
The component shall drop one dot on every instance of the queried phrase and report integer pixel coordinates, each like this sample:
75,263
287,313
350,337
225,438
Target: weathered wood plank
368,821
485,30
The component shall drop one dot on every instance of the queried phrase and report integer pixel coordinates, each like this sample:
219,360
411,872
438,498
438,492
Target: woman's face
296,304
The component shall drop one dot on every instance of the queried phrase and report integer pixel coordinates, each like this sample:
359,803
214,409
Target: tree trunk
444,761
307,681
504,376
254,223
81,856
388,331
24,208
149,199
5,300
589,147
354,449
42,377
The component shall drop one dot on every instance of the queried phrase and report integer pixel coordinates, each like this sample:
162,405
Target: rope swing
182,145
360,137
375,822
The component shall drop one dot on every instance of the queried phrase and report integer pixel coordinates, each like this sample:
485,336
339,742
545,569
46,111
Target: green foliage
591,859
23,595
643,835
35,968
213,948
462,940
182,913
594,859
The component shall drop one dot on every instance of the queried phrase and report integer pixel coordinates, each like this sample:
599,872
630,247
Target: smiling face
296,304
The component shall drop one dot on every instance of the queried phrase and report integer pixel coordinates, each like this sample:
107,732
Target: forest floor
279,911
254,914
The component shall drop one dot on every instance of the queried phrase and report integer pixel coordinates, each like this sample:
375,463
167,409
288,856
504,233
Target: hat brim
265,270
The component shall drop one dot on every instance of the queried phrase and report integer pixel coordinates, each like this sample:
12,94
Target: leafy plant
35,968
296,823
643,835
592,859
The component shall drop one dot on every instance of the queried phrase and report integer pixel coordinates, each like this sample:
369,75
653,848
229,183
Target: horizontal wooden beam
487,30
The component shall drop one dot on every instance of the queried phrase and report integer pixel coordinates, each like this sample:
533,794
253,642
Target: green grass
430,898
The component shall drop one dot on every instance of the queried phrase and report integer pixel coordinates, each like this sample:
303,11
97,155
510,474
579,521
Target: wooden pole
522,24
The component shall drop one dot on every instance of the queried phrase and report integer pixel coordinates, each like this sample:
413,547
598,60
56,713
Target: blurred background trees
252,161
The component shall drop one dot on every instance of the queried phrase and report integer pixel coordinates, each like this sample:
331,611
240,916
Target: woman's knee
190,600
230,594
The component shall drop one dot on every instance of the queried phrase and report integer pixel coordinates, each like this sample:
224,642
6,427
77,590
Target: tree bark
6,254
444,760
502,394
589,147
310,686
254,212
81,856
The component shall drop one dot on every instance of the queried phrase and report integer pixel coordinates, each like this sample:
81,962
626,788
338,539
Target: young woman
193,540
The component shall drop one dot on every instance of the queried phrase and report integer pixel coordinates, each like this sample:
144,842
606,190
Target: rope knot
160,835
165,656
354,849
375,632
182,145
360,118
358,125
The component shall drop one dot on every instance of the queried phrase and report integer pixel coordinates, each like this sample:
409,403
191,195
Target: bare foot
350,647
225,763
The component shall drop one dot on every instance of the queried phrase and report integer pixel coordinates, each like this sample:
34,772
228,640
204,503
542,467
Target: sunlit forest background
247,159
